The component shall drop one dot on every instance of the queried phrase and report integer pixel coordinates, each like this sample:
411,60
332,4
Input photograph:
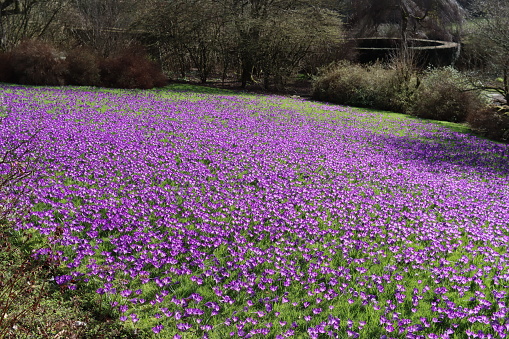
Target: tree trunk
404,24
247,70
506,84
2,35
248,48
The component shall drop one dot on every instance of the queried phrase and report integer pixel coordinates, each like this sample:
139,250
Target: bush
338,83
36,62
439,94
131,68
83,67
373,86
491,122
442,95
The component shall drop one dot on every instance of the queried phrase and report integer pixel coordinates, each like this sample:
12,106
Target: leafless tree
274,35
24,19
102,24
492,32
266,37
285,43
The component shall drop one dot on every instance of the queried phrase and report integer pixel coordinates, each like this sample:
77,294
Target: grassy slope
66,312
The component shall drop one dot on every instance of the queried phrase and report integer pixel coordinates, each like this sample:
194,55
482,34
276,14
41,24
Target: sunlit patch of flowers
249,216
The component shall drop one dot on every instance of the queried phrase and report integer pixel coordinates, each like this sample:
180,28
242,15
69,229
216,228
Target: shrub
36,62
338,83
83,67
491,122
373,86
439,94
131,68
442,95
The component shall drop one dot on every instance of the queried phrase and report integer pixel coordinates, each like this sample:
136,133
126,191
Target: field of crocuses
245,216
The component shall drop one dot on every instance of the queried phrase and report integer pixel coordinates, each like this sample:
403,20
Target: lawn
214,214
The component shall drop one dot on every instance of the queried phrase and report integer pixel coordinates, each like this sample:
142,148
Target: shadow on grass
453,126
453,150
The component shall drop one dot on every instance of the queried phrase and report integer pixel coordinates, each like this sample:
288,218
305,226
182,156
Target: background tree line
263,41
